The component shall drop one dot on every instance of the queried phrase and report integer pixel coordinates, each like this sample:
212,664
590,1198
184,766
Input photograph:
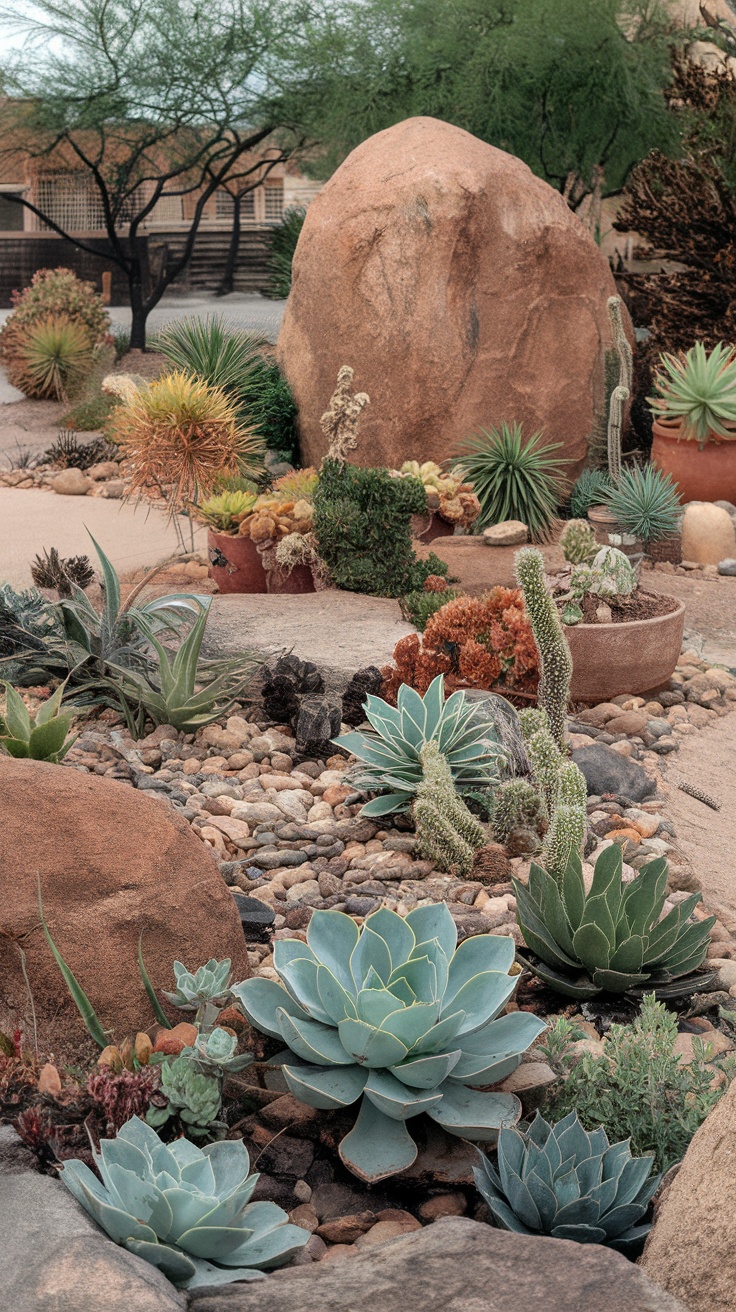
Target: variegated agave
394,1015
389,758
185,1209
561,1181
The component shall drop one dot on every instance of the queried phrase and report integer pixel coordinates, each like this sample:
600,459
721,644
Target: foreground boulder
112,862
454,1265
607,772
691,1250
462,290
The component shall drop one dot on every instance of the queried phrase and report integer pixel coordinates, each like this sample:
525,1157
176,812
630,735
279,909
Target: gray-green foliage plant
45,737
591,488
610,939
393,1015
191,1093
34,648
184,1209
646,502
389,760
181,689
555,660
562,1181
610,574
514,478
447,833
639,1087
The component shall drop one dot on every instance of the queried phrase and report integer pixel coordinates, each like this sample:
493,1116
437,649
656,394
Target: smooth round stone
659,728
271,859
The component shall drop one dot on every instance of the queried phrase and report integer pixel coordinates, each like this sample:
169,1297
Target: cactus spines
622,391
554,654
569,820
578,543
447,833
545,758
532,720
516,804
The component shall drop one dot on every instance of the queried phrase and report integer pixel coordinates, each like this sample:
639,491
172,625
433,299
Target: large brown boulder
462,290
112,862
692,1250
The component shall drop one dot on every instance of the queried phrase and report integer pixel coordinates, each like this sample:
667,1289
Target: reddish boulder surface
462,290
112,862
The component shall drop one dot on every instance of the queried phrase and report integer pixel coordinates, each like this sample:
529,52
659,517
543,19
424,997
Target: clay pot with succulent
451,502
260,543
694,434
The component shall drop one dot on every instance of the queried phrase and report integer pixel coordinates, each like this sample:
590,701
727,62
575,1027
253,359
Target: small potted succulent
694,434
451,502
253,539
235,563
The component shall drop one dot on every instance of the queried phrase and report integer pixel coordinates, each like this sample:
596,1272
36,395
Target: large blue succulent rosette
395,1016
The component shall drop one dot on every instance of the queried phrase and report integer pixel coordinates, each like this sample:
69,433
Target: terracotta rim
671,429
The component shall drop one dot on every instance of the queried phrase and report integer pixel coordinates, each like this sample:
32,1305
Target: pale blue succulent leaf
377,1146
176,1266
395,1099
432,922
476,955
368,1046
481,998
262,1000
395,932
371,951
319,1044
336,1001
425,1072
374,1005
324,1087
410,1024
441,1036
475,1115
420,975
332,936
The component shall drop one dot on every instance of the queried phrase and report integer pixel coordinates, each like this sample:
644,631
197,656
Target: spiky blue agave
185,1209
389,757
562,1181
393,1015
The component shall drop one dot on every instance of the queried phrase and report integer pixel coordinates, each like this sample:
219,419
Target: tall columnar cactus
621,393
545,759
447,833
554,654
568,820
516,804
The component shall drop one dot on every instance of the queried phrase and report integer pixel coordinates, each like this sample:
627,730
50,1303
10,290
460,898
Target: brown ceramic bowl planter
636,656
236,565
707,475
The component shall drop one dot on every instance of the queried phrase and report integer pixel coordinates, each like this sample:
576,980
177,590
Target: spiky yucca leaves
554,653
610,939
578,543
393,1015
389,757
220,356
447,833
53,357
562,1181
646,502
516,803
514,479
182,434
590,489
184,1209
568,820
699,389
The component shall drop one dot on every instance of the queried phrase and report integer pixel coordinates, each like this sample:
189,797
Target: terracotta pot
707,475
299,579
430,526
609,533
235,563
634,657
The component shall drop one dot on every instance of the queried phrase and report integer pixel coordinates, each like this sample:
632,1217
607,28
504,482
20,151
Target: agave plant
55,354
184,1209
611,939
224,511
561,1181
190,692
514,479
391,1014
43,738
699,389
646,502
390,757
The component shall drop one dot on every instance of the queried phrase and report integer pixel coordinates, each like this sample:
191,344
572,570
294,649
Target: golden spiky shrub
181,434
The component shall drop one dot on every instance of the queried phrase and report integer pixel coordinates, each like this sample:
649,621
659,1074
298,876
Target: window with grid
71,201
274,210
224,205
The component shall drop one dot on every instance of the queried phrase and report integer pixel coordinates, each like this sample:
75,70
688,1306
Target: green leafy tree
154,98
573,88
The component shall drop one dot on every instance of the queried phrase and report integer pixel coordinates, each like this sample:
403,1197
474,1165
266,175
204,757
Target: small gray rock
608,772
727,566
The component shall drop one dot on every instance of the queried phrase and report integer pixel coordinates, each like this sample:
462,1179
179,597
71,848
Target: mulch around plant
641,605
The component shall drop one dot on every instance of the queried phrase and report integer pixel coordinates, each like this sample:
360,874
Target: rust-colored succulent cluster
483,642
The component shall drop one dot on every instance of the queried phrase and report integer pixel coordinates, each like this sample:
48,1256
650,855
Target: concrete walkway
707,838
33,520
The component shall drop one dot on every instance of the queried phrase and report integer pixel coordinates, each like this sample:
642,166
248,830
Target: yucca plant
224,511
390,757
187,693
611,940
180,434
52,358
562,1181
590,489
43,738
184,1209
393,1015
514,478
699,389
283,244
646,502
220,356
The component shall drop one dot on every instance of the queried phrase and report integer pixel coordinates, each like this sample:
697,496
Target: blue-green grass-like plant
392,1015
